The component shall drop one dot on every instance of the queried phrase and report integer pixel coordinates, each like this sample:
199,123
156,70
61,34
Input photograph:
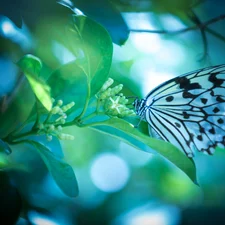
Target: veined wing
189,111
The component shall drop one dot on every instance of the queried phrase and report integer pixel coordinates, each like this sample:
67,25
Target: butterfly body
189,110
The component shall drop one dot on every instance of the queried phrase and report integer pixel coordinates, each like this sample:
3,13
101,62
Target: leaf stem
48,118
92,124
13,139
96,113
79,121
85,105
217,35
38,115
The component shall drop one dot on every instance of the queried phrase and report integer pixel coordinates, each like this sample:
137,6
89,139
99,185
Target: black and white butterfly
189,110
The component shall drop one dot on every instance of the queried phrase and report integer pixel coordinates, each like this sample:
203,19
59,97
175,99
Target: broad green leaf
128,133
111,19
69,83
16,107
92,46
31,66
62,173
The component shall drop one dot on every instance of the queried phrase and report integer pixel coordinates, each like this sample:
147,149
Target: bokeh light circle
109,172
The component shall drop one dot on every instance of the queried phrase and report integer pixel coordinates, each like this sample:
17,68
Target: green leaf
69,83
62,173
128,133
31,66
41,90
16,107
92,45
111,19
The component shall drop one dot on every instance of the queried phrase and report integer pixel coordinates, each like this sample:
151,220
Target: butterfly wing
189,111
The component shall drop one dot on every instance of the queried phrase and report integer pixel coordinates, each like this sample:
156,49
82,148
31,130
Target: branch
216,34
200,26
194,18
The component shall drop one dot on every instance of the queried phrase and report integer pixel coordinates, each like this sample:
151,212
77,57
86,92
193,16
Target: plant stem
18,142
36,122
219,36
96,113
92,124
79,121
28,133
38,116
12,139
48,118
86,103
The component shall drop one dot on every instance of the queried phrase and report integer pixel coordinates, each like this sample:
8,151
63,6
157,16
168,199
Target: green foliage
61,172
98,105
81,79
15,109
165,149
111,19
69,83
31,66
94,52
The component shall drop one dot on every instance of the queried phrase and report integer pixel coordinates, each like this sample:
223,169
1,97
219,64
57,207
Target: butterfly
189,110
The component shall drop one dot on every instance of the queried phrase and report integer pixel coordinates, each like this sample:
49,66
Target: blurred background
118,184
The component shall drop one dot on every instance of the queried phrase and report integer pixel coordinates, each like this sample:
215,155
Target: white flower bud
60,112
68,106
41,126
107,84
59,128
59,102
55,110
49,137
51,128
116,89
61,136
62,121
69,137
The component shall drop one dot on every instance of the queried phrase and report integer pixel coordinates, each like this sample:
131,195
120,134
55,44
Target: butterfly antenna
129,104
131,97
142,118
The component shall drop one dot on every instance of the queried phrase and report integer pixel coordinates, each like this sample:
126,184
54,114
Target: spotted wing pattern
189,110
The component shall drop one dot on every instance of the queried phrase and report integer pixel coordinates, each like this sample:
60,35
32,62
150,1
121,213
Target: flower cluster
54,127
114,103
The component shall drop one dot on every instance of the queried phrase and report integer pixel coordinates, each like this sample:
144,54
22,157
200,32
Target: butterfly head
139,106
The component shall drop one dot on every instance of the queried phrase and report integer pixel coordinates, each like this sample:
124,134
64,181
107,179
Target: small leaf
31,66
137,139
62,173
41,90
